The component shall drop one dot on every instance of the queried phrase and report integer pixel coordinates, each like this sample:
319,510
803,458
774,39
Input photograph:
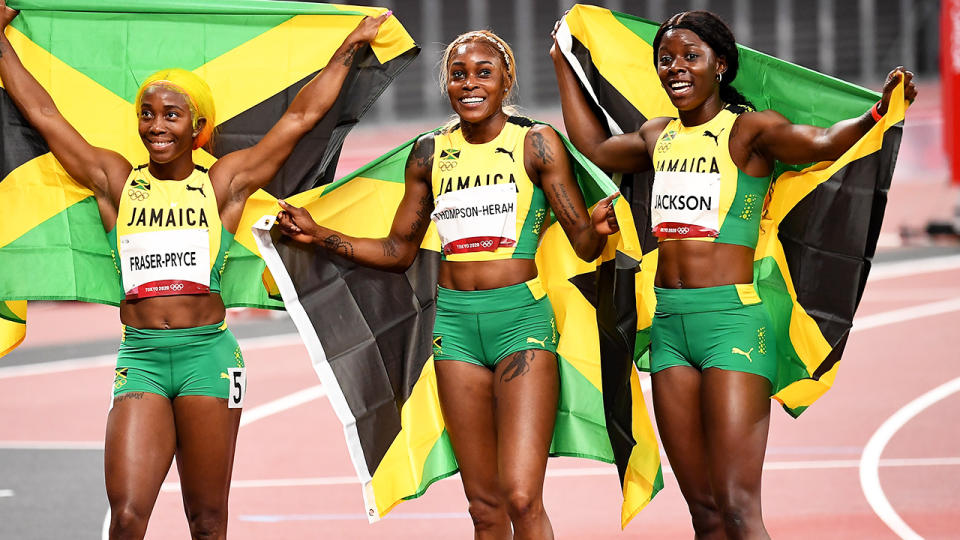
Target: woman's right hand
7,14
297,223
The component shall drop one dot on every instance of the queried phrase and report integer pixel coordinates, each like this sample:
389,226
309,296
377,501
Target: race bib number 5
238,387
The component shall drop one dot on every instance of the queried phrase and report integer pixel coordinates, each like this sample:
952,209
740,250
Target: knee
208,524
740,510
523,505
127,522
706,516
487,513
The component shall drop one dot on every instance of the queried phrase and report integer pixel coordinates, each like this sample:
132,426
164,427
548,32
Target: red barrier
950,81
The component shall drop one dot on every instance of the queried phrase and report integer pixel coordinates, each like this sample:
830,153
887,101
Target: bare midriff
485,275
691,264
166,312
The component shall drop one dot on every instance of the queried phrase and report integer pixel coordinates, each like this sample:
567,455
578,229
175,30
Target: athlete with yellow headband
180,377
713,357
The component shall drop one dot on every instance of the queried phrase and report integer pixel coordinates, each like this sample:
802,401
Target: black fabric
314,159
19,142
376,328
830,236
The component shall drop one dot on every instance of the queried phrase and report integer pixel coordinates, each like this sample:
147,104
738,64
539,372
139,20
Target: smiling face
165,124
477,81
688,69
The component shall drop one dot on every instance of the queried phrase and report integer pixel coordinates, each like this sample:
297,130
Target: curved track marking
870,460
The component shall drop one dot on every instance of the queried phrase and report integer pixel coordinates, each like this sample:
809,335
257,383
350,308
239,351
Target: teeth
679,85
471,100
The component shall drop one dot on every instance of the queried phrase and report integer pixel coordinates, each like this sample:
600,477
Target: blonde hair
194,89
497,44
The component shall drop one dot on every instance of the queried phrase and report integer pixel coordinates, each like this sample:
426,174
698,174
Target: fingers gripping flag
821,221
51,223
369,334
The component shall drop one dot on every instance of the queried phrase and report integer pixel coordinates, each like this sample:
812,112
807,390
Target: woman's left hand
366,31
603,218
909,89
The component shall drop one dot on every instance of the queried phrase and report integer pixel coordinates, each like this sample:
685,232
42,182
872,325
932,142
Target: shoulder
757,121
651,129
421,153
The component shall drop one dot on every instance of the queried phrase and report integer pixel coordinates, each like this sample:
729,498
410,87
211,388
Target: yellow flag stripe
33,193
644,462
400,472
621,57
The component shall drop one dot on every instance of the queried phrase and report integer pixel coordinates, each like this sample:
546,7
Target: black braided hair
715,33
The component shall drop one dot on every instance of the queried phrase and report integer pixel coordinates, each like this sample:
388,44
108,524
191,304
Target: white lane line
6,493
281,404
905,314
578,472
51,445
870,459
88,362
913,267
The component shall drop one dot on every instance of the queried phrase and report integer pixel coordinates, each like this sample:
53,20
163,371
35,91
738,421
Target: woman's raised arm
250,169
94,168
778,139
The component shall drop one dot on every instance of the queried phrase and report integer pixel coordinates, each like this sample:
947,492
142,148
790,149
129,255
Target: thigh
526,390
736,411
206,439
677,407
738,339
467,403
138,449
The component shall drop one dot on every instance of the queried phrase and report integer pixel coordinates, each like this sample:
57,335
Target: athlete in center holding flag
486,182
713,362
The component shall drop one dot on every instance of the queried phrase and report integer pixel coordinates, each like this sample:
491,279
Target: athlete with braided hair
178,364
495,338
712,365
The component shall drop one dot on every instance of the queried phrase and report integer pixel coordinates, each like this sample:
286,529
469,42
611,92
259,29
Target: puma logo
737,350
716,141
541,343
504,151
200,189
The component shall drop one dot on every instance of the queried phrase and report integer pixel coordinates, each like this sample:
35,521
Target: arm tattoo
423,218
422,154
519,365
337,245
346,57
567,210
389,248
542,148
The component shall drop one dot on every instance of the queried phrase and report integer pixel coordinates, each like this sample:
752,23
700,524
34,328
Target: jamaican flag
369,335
13,324
821,221
91,55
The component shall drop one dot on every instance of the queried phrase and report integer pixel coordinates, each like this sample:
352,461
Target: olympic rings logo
486,243
138,194
447,166
176,287
683,230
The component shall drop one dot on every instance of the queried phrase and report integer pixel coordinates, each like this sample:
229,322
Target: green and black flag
821,221
370,336
91,56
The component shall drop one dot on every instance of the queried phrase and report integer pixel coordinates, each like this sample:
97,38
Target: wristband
875,113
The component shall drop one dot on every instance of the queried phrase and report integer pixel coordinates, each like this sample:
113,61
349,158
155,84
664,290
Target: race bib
165,263
685,205
483,218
